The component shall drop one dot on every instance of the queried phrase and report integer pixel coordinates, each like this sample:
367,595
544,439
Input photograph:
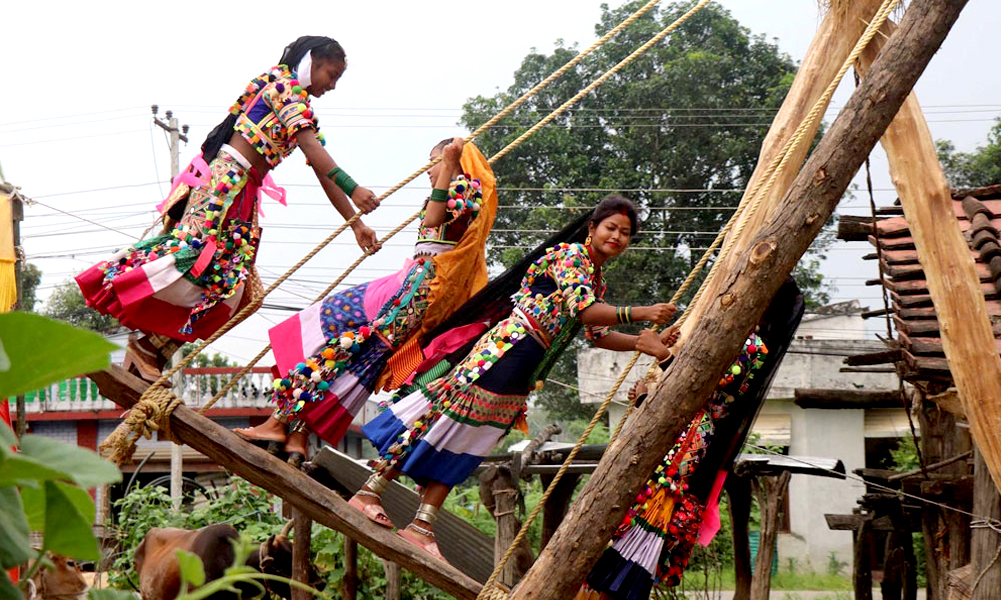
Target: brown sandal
139,362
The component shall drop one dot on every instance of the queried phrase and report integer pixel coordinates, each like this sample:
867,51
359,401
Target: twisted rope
779,164
119,440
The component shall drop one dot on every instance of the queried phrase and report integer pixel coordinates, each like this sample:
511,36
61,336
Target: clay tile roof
979,214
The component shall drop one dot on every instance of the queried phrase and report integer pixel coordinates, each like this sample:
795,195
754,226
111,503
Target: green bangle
439,195
624,314
343,180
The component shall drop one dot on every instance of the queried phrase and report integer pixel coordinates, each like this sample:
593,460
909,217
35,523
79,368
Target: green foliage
905,455
834,565
245,506
31,276
26,364
67,304
43,486
979,168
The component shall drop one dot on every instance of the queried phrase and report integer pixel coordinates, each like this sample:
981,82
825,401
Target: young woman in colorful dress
333,355
440,433
185,283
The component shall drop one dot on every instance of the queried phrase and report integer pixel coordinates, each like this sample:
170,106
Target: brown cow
159,573
63,581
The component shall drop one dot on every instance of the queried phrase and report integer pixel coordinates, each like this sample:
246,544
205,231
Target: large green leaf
82,466
35,504
15,546
192,569
68,530
8,591
44,459
110,594
35,351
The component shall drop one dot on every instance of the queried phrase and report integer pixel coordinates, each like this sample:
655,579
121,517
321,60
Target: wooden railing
197,386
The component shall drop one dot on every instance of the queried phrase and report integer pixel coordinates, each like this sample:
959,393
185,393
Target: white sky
81,78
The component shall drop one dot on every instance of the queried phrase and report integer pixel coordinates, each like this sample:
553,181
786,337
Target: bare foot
271,430
297,442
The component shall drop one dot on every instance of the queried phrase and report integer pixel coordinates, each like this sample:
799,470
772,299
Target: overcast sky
81,76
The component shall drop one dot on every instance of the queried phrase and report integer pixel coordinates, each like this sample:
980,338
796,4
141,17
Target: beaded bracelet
624,314
342,180
439,195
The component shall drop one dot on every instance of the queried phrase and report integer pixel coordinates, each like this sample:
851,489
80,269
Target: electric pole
176,137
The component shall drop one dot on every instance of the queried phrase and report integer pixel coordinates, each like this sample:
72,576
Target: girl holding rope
187,282
440,433
332,356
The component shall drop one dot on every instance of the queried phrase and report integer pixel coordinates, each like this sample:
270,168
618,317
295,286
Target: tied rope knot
151,413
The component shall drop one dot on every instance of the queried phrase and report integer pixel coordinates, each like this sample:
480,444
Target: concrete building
858,437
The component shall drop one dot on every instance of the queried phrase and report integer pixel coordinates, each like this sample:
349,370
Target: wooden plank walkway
295,487
466,547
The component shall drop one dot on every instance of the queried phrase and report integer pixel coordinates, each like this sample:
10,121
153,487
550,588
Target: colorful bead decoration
271,110
664,505
465,196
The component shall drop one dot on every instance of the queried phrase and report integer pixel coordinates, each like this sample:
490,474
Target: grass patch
781,581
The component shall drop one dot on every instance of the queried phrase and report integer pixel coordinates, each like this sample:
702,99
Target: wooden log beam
873,358
302,564
292,485
956,292
985,542
835,38
349,583
738,490
747,288
835,399
862,563
771,491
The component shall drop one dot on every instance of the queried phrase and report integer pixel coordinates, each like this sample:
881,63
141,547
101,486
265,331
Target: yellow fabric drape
8,259
459,273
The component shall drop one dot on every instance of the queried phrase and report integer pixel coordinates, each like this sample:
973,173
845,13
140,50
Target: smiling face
325,74
611,236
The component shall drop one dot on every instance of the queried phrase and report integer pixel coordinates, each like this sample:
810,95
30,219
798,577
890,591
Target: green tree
31,276
979,168
690,115
67,304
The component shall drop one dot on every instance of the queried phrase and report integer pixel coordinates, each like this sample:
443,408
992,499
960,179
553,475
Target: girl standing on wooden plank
679,505
187,282
334,354
440,433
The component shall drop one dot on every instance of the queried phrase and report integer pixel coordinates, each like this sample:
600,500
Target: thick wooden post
557,505
837,35
392,580
738,490
499,494
986,542
349,584
946,532
771,492
748,288
967,336
862,561
302,566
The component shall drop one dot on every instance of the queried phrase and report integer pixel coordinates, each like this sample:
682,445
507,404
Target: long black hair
493,302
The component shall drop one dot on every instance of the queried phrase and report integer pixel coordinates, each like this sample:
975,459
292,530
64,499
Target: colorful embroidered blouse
558,286
462,206
271,111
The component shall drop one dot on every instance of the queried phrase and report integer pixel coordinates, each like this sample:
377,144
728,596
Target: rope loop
151,413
